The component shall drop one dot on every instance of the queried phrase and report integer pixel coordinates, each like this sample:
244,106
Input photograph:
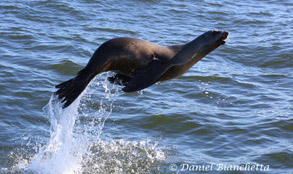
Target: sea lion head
212,40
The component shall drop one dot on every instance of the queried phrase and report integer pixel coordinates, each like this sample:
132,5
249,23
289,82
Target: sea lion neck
167,52
176,48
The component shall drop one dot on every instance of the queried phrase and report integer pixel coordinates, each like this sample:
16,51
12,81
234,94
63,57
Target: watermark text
221,167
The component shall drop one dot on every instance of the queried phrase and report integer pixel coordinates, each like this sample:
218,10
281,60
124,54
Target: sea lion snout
219,36
225,35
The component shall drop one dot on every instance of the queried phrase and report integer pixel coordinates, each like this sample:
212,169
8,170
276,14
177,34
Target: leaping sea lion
138,64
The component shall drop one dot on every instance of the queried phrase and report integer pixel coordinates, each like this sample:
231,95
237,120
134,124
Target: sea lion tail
68,91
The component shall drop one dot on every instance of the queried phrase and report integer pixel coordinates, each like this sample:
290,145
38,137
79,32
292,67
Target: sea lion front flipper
147,76
119,79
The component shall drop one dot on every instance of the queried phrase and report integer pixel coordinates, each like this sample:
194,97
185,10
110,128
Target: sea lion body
127,56
139,64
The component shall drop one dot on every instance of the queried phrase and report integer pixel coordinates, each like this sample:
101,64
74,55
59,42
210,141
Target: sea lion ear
147,76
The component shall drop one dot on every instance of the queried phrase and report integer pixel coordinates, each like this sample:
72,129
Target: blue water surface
230,113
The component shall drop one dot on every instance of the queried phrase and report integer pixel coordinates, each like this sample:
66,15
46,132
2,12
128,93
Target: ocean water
232,112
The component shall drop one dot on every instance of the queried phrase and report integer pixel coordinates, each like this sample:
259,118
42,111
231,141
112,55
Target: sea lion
138,64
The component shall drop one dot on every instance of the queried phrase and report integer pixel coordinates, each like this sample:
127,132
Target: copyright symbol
173,167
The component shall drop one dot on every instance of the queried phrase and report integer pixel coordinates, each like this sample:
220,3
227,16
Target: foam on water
75,145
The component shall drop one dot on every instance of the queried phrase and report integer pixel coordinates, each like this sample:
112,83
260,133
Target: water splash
75,145
62,154
120,156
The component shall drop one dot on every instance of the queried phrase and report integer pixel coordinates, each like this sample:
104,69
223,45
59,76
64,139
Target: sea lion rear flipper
68,91
147,76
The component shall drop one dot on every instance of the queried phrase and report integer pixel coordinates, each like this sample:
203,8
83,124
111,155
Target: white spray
76,147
